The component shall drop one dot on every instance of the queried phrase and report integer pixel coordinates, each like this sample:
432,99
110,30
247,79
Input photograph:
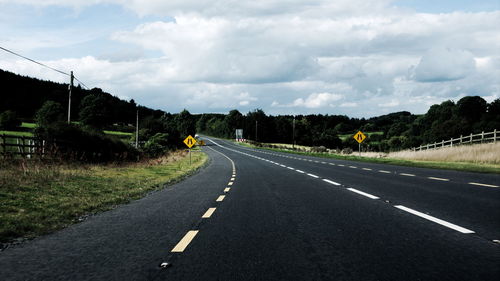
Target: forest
94,110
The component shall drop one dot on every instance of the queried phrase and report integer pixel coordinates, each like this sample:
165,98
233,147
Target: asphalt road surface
260,215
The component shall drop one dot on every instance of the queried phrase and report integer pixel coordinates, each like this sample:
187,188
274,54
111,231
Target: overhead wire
42,64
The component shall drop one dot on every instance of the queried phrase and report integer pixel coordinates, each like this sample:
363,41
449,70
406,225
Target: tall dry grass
488,153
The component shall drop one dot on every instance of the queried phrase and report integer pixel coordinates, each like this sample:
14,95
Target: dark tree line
399,130
96,110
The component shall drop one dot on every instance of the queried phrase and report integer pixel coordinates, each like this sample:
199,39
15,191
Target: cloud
317,100
444,64
319,56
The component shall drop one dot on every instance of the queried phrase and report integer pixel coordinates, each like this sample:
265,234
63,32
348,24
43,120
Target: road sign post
189,142
359,137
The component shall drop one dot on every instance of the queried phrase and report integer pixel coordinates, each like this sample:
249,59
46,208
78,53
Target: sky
352,57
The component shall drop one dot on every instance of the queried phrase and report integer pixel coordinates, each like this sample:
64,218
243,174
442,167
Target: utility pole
69,99
137,130
293,130
256,122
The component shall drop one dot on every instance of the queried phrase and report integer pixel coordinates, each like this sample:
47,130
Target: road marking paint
220,198
384,171
300,171
281,165
483,184
230,183
227,189
438,179
208,213
323,162
363,193
367,169
316,161
309,160
436,220
407,175
340,165
291,168
331,182
311,175
232,179
354,167
331,164
181,246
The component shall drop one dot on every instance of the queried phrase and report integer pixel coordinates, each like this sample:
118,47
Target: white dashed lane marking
438,179
483,184
367,169
331,182
312,175
407,175
436,220
363,193
383,171
227,189
220,198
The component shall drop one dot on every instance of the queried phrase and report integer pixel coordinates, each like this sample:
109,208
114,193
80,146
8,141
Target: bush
156,145
50,113
72,142
9,120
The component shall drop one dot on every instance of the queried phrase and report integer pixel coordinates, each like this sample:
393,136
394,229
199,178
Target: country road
262,215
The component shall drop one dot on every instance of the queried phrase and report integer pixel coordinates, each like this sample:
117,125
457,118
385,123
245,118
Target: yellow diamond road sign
190,141
359,137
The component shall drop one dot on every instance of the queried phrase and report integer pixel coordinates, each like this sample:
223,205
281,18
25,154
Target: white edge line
436,220
363,193
331,182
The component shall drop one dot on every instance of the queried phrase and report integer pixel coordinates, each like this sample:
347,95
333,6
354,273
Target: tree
93,111
9,120
471,108
50,113
185,123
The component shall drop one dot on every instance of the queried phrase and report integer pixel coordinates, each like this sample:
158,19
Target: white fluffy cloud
444,64
355,57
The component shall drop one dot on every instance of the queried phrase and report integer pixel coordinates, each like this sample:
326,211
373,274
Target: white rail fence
469,139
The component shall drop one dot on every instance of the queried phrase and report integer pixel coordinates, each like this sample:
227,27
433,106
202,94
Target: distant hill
25,95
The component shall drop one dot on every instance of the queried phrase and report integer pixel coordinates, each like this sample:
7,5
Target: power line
42,64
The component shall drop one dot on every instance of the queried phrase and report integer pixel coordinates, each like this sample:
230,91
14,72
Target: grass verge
38,198
458,166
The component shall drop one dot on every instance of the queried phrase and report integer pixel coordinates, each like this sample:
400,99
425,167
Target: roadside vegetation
38,197
483,158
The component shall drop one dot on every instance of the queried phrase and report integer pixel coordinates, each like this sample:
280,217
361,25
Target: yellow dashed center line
181,246
220,198
208,213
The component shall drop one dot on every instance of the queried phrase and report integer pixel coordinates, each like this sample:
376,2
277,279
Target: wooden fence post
451,142
495,136
460,139
471,138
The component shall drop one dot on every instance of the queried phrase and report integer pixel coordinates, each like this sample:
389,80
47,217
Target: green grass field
37,198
